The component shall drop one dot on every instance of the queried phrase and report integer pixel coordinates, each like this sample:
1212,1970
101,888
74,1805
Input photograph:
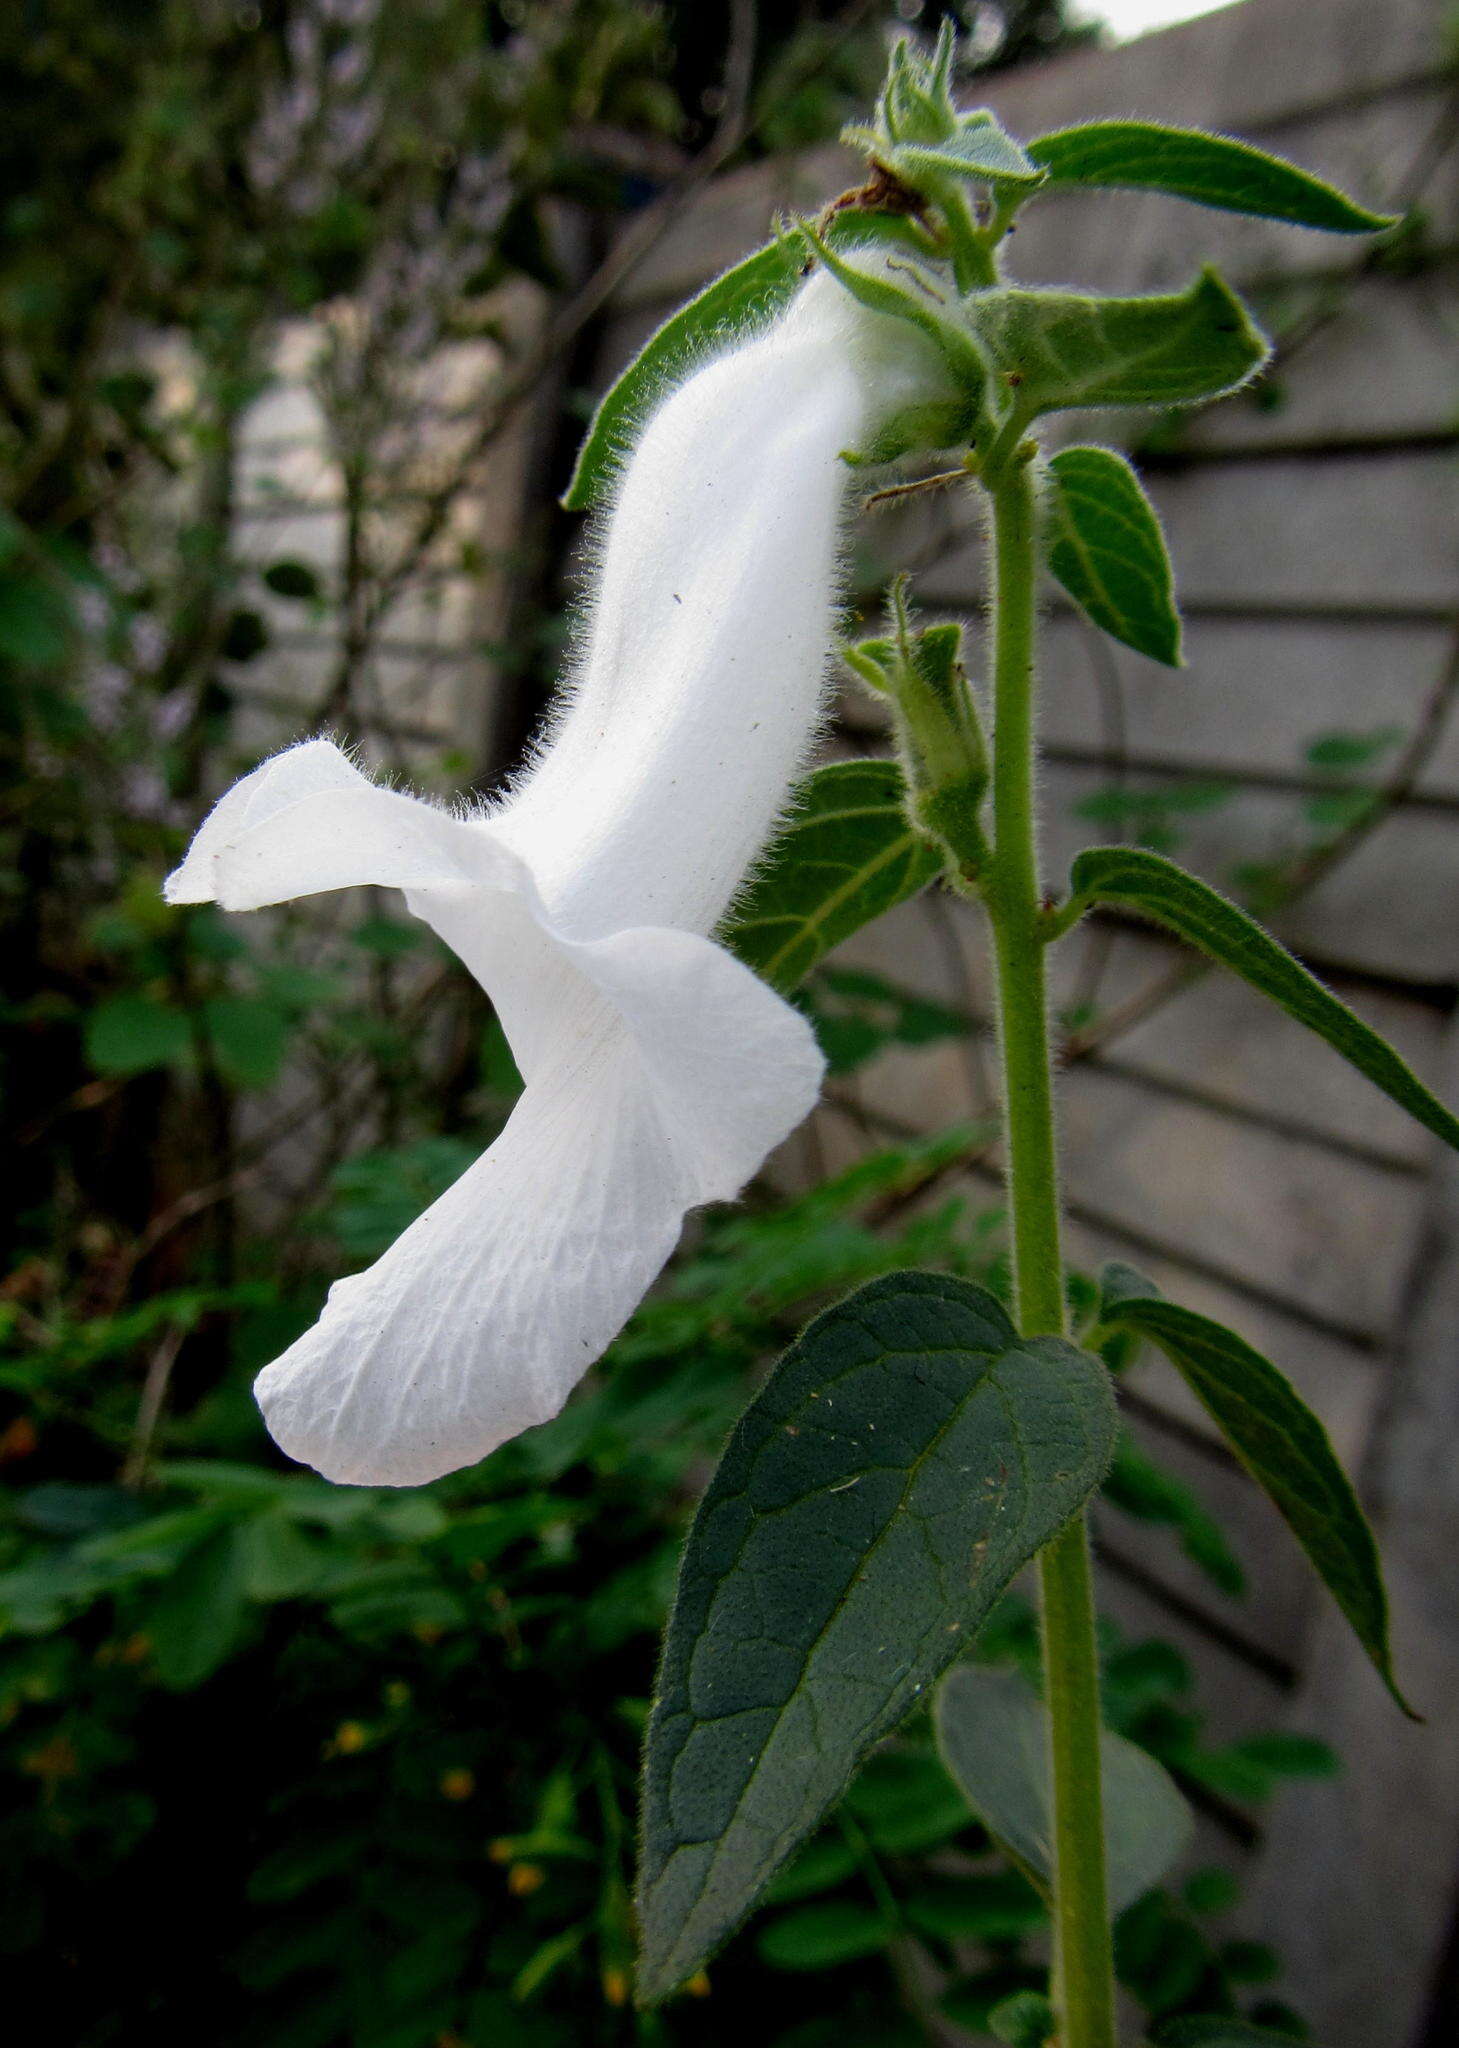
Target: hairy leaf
744,298
1060,349
907,1456
1212,170
978,152
1281,1443
845,854
993,1734
1154,887
1106,548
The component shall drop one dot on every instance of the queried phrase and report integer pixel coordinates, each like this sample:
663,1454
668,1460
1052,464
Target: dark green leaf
744,298
1026,2020
1106,548
1060,349
993,1731
1282,1445
292,579
818,1937
1218,2032
132,1034
201,1611
1156,888
1212,170
906,1803
1142,1489
907,1456
986,1906
34,621
821,1865
249,1038
845,854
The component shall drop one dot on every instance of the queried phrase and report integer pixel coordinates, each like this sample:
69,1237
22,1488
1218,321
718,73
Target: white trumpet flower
659,1071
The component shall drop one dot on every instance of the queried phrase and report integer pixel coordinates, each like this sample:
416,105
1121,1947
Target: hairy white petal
480,1320
702,678
658,1070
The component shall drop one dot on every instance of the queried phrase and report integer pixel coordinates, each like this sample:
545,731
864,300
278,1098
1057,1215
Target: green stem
1083,1978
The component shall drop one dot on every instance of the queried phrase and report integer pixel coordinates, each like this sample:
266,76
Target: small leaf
1196,2031
1106,548
818,1937
1283,1446
1026,2020
991,1906
1060,349
201,1612
1211,170
845,854
132,1034
296,580
992,1728
1153,887
907,1456
745,297
1143,1490
978,152
249,1038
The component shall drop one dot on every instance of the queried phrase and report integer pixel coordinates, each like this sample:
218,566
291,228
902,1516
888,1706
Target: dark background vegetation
289,1764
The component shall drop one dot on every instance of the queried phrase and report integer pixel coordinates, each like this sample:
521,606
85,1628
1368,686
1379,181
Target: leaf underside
909,1454
1281,1443
1060,349
1151,886
1106,548
1211,170
992,1729
845,854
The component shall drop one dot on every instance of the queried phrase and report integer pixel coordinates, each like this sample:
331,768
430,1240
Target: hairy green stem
1084,1978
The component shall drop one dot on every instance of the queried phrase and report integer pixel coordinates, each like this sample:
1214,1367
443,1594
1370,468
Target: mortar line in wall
1071,755
1371,1343
1256,1656
1257,611
1290,1128
1376,445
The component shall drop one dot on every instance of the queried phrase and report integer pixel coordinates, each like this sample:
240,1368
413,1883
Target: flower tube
658,1070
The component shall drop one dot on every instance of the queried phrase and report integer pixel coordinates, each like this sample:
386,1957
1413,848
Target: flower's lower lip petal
480,1320
682,1073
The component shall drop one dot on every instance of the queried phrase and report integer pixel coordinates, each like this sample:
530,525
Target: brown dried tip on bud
697,1986
525,1878
458,1783
883,192
615,1986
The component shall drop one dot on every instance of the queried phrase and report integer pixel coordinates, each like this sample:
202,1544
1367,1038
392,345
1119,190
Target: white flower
658,1070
